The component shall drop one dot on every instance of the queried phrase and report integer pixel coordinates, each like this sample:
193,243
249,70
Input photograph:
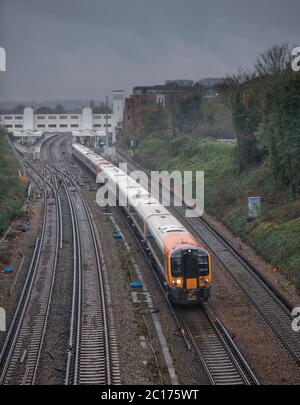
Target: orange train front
184,264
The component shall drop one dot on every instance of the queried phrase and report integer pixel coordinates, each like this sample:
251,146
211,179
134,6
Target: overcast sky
66,49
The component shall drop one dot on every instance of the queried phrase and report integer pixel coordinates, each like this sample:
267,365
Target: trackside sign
2,320
253,207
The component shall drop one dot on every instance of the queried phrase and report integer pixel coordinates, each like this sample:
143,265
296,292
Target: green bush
275,235
12,191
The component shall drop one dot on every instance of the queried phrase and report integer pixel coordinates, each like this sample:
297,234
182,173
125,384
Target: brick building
147,98
136,105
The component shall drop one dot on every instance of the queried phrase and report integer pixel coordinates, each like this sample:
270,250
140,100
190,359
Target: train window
203,265
176,267
190,264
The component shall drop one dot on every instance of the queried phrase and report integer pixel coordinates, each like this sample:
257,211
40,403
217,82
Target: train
182,262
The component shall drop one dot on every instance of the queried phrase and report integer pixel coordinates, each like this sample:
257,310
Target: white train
183,262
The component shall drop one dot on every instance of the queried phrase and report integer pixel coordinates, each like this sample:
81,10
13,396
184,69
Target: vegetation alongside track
275,234
262,109
12,190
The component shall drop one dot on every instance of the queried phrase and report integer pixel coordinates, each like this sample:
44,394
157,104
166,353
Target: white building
118,108
95,124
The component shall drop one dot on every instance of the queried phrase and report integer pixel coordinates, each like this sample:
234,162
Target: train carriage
184,264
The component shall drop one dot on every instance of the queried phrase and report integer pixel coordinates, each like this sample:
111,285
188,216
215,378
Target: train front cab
189,273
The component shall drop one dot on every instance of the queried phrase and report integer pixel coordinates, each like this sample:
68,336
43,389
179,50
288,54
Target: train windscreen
190,263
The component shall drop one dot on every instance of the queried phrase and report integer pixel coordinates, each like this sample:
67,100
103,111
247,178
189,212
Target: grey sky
64,49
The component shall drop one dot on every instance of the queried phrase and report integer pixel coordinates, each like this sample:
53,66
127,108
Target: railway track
220,357
261,295
23,345
93,354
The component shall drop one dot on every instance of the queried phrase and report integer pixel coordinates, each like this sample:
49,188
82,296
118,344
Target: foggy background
74,49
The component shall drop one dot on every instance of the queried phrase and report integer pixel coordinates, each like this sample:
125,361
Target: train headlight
179,282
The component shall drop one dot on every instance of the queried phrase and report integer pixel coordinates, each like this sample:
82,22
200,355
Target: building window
52,117
97,125
74,126
8,117
52,126
63,126
18,126
41,118
63,117
18,117
8,126
74,117
41,126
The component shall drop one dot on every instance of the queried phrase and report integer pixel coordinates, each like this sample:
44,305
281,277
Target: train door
190,269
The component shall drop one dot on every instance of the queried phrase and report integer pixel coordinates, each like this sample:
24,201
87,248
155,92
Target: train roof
166,229
160,221
96,159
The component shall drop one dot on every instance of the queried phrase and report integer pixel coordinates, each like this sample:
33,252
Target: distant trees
19,109
265,105
189,114
184,109
59,109
181,113
101,108
155,122
280,127
44,110
241,90
92,105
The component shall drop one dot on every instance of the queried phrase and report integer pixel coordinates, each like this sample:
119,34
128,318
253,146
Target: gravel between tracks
136,359
52,365
265,354
271,363
271,273
269,360
10,256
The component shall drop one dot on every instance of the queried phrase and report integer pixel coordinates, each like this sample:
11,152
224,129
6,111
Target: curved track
23,345
218,354
93,356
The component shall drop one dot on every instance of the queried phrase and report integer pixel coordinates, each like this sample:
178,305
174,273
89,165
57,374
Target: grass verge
12,190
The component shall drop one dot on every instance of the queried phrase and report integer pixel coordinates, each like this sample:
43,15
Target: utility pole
106,121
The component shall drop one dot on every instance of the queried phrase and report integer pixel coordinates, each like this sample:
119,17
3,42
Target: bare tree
241,92
274,61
